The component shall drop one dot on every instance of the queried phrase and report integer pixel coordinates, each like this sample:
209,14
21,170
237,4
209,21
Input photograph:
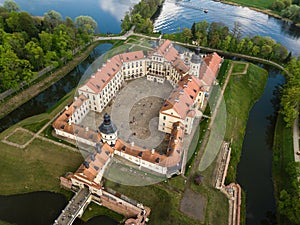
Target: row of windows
132,65
132,72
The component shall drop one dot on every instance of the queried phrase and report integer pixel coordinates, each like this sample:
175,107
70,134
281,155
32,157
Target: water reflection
254,170
106,13
252,23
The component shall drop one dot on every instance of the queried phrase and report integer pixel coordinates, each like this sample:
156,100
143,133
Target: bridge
75,208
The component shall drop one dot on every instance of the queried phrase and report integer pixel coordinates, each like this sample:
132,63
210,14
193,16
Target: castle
192,76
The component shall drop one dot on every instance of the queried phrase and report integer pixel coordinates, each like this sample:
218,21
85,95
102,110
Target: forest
30,43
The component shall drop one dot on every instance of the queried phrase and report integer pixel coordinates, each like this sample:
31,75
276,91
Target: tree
34,53
126,23
226,43
279,52
186,34
278,5
266,51
86,23
46,40
11,6
52,18
237,31
292,12
290,100
13,70
53,15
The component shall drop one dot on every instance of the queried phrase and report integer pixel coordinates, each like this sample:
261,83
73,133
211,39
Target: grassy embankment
242,91
283,155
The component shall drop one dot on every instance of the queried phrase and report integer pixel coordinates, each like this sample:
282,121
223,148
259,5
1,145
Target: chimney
152,151
99,70
176,99
175,141
66,107
132,143
86,129
93,76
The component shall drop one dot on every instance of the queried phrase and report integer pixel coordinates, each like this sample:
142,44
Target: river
254,170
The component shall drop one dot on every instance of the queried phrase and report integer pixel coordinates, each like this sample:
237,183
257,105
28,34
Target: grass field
35,168
95,210
20,137
217,207
164,203
239,67
260,4
241,93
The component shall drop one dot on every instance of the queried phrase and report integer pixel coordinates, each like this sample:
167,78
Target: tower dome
196,59
108,130
107,127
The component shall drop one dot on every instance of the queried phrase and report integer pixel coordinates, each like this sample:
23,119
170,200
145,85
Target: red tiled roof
95,163
138,151
61,122
103,75
167,50
183,96
209,68
131,56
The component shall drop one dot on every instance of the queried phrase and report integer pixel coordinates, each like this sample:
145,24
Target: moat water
254,169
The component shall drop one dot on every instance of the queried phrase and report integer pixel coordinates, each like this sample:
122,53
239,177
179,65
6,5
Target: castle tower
108,130
195,63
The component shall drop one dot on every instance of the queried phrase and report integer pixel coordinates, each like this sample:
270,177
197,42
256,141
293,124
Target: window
164,118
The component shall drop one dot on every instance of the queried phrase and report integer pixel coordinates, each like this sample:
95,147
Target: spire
107,127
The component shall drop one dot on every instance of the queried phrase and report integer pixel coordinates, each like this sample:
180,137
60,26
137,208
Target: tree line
217,35
288,9
140,16
30,43
290,100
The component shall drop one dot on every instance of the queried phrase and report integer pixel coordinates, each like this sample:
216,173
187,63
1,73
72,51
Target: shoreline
265,11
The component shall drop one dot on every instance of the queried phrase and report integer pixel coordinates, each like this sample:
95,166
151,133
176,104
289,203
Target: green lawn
20,137
164,204
35,168
239,67
95,210
261,4
217,207
241,93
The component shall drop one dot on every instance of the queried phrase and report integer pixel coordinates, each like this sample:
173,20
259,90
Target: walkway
74,208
